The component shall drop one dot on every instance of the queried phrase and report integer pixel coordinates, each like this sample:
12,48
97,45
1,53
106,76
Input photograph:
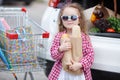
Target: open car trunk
107,53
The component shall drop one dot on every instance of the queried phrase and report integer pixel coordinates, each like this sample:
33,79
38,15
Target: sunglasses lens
74,18
65,18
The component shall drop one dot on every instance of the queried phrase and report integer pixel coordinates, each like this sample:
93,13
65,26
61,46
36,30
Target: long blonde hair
81,19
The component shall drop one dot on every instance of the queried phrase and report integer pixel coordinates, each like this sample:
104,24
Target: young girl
71,14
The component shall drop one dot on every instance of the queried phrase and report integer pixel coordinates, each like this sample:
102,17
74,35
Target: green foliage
103,25
94,30
115,22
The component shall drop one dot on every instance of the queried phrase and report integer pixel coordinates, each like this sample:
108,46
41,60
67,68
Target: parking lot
8,76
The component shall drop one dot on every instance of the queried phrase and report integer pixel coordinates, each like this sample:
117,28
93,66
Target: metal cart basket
21,43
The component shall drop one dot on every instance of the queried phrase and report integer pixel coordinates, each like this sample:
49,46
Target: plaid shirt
86,61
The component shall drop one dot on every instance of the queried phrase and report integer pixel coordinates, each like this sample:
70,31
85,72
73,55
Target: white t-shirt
67,76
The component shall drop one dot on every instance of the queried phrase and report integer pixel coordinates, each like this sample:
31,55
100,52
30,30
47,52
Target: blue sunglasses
66,18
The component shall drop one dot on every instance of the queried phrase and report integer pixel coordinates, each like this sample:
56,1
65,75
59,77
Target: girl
71,14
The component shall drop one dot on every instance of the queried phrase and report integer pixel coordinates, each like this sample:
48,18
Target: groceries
75,53
66,60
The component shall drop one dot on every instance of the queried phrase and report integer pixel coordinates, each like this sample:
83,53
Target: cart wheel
31,76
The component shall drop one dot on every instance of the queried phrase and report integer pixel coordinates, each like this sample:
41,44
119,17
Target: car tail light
53,3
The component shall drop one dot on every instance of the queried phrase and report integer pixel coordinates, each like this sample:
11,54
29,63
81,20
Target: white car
106,64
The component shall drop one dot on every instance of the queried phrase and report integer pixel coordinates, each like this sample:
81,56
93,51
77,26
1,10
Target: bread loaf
76,42
66,60
75,53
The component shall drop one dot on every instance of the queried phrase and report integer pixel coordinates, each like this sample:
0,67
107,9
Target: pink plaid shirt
86,61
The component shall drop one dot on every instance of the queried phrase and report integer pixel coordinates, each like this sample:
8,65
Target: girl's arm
55,53
88,53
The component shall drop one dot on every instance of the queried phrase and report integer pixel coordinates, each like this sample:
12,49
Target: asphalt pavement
35,11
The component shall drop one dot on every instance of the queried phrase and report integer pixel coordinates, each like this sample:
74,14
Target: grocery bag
100,11
19,45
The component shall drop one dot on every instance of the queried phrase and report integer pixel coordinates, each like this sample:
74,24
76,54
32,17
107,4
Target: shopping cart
24,58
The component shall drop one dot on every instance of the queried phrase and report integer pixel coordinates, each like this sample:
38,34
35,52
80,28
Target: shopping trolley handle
45,35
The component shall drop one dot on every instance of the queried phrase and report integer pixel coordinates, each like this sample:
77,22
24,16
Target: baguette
75,53
66,60
76,42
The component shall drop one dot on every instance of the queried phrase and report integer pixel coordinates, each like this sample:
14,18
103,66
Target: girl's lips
69,23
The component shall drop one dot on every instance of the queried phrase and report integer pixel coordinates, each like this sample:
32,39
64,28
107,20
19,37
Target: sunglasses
66,18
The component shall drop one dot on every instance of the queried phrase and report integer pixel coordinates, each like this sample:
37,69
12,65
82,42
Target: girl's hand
65,45
75,66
